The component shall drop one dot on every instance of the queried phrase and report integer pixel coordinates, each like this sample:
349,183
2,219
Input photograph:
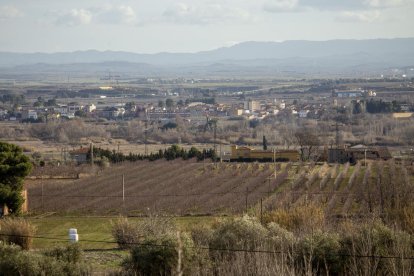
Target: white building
61,109
74,108
90,108
29,114
252,105
303,113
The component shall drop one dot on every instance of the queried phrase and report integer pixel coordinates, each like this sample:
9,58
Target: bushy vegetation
303,217
241,233
14,261
70,254
17,231
125,233
157,247
242,245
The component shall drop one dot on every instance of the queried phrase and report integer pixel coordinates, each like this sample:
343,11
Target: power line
203,194
211,248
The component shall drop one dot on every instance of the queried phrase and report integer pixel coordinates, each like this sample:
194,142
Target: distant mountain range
248,57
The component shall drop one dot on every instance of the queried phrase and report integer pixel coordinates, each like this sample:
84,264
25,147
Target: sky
151,26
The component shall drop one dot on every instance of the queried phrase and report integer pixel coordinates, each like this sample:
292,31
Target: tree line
377,106
171,153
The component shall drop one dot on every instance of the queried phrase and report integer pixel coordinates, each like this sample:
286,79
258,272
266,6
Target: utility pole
43,208
64,155
274,160
215,143
268,186
145,132
204,160
247,194
123,193
92,154
145,138
337,135
261,211
365,157
221,158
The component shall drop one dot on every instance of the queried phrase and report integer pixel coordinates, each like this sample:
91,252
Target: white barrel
73,238
73,235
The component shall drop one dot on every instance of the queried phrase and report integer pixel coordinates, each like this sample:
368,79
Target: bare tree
308,143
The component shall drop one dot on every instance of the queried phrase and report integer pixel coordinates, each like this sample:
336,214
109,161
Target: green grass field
94,232
95,238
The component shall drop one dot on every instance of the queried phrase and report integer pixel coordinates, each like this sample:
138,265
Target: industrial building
359,152
248,154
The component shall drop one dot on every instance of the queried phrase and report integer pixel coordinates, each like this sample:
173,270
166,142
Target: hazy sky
149,26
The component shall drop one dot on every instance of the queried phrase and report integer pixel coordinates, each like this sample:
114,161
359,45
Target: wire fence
217,249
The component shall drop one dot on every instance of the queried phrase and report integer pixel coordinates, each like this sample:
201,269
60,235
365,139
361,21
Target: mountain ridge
242,51
249,58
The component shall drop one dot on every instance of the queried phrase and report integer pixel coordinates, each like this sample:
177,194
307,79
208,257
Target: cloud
207,14
386,3
8,12
106,15
359,16
331,5
75,17
281,6
325,5
276,6
116,15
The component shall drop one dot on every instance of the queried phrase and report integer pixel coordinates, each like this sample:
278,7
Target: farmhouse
29,114
244,153
359,152
80,155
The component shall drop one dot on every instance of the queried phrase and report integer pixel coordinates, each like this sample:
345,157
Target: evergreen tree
14,167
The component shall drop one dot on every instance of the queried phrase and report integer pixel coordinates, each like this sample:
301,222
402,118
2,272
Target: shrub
238,233
160,256
281,238
246,233
14,261
161,250
201,235
299,218
377,239
319,253
103,162
70,254
156,257
125,233
17,231
155,246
